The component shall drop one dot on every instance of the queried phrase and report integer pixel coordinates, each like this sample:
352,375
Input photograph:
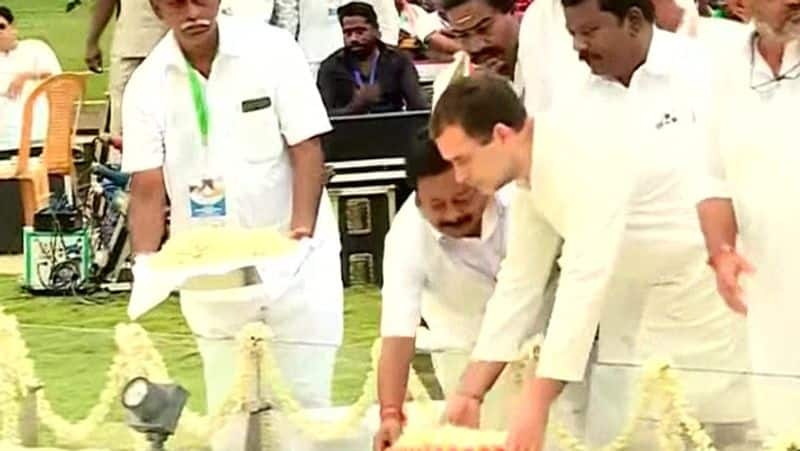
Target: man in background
425,27
22,64
319,33
366,75
487,30
136,33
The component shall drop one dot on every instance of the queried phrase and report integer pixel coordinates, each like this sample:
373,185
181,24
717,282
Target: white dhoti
306,322
663,304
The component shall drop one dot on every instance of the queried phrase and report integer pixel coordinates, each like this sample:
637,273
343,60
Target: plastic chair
64,94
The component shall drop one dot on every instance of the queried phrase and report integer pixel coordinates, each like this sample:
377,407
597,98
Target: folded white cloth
151,287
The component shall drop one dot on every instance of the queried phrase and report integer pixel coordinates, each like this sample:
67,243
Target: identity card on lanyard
373,69
206,189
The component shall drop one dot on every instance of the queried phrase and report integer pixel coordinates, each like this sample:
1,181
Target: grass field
65,32
72,344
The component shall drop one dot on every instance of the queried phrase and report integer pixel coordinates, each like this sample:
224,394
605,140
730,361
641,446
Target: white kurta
663,300
754,163
447,281
665,275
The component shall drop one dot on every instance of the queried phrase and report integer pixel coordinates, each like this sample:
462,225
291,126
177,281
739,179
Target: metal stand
156,441
29,419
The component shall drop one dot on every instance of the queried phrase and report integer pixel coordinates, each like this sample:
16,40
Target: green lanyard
200,104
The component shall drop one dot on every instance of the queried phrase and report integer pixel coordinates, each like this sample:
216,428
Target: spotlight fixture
153,409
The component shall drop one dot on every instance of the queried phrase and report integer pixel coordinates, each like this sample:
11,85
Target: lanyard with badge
206,190
373,69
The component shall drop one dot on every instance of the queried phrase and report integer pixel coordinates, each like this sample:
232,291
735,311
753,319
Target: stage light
153,409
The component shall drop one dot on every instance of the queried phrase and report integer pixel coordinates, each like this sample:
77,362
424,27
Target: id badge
207,198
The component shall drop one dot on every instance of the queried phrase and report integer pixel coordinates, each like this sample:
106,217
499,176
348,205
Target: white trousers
217,316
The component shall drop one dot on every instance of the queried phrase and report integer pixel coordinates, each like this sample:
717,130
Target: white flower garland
137,356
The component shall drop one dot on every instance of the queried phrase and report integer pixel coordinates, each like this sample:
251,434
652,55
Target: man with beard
366,75
212,102
441,260
749,226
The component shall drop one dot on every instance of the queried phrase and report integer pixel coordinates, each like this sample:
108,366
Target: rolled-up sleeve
403,275
519,306
144,123
301,113
589,179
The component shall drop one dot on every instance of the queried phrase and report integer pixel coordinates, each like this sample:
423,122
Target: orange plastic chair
64,93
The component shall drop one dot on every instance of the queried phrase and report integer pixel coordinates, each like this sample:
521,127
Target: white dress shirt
137,30
30,55
445,280
247,149
320,33
578,196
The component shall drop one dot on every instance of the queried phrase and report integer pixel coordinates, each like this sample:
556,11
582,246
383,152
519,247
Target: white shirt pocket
257,128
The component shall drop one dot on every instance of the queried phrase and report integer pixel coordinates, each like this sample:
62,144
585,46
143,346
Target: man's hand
728,265
529,427
17,84
366,95
463,410
387,434
94,57
300,232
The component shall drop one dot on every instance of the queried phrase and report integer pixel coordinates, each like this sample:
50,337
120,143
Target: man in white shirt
22,65
250,127
441,260
320,34
747,210
548,66
136,33
665,306
576,195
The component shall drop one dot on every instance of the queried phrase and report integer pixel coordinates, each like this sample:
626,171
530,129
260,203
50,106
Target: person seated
366,75
22,64
424,27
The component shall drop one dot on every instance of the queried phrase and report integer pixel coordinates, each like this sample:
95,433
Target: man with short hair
574,194
136,33
486,30
210,105
441,261
319,33
22,64
366,75
746,205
